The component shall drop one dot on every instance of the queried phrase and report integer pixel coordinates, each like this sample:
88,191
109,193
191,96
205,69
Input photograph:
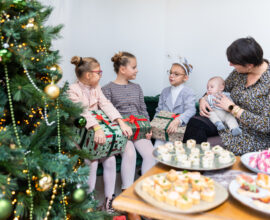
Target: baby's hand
173,126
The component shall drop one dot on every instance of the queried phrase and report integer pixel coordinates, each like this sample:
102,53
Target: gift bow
100,117
134,120
173,116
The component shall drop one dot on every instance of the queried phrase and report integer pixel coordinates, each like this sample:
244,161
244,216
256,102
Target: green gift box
115,139
139,125
160,124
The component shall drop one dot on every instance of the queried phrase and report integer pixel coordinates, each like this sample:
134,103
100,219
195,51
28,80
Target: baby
216,86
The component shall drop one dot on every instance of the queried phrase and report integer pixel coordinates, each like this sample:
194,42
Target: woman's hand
99,137
203,108
173,126
223,102
148,135
127,131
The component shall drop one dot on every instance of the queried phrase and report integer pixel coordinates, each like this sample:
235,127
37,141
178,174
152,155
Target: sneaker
108,205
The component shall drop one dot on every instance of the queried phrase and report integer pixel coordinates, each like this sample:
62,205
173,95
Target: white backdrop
200,30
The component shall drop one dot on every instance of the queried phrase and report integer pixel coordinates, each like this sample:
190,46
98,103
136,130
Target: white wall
200,30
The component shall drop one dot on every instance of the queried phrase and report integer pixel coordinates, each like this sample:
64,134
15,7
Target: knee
130,151
110,162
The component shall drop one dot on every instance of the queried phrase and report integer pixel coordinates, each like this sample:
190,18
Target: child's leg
233,125
145,149
109,175
128,165
159,142
93,174
216,119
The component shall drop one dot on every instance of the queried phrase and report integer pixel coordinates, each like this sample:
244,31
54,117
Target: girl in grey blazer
177,98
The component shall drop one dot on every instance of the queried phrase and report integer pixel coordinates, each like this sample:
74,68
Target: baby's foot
236,131
220,126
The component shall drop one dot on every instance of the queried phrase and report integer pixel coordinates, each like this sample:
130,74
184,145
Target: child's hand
173,126
127,131
99,137
148,135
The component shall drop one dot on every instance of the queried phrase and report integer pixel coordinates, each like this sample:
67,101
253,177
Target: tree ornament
5,208
57,70
52,90
78,195
44,183
31,24
80,122
12,146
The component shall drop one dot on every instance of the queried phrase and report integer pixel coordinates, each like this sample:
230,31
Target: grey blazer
184,104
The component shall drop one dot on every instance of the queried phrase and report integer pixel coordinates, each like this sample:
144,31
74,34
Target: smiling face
215,86
177,75
129,71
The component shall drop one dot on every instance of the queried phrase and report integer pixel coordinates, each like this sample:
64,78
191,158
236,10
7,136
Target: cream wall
200,30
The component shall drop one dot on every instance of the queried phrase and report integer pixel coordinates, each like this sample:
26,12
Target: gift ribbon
173,116
134,120
106,123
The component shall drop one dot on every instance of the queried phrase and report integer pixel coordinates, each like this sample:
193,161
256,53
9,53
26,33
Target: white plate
177,164
220,197
245,161
234,186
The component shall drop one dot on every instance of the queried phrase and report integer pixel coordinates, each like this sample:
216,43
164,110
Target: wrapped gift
115,139
139,125
160,125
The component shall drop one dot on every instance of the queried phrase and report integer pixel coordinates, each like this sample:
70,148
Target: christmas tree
42,175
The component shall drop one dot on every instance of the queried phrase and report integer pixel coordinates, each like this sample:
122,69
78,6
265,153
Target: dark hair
83,65
245,51
121,59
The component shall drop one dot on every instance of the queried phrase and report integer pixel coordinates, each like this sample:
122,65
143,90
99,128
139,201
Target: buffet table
129,201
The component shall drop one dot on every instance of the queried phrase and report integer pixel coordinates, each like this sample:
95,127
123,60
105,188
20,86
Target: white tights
128,165
109,175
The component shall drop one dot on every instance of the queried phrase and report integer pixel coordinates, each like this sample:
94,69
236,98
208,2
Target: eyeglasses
99,72
175,74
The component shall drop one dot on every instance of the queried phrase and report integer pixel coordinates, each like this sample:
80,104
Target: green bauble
5,209
80,122
78,195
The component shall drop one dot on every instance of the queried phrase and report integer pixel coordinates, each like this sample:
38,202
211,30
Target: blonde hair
83,65
219,79
121,59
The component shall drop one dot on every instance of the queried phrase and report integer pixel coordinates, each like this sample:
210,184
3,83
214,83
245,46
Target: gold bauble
12,146
59,70
52,91
44,183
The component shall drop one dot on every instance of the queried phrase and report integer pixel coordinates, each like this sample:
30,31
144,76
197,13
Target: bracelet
97,128
235,112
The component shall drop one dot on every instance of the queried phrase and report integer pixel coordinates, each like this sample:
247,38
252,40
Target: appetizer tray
174,158
249,199
245,160
219,195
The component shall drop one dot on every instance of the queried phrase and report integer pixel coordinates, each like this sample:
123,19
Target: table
129,201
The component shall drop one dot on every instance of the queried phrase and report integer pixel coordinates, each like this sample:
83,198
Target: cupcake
208,194
171,198
184,202
194,196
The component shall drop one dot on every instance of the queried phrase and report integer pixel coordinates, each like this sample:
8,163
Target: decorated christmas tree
42,175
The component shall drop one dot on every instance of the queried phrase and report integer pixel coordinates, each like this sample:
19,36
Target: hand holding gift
99,137
173,126
127,131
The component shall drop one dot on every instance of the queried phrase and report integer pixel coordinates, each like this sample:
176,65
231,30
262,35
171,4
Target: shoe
108,205
133,216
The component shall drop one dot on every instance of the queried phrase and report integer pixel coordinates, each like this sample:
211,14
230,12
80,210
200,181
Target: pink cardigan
92,99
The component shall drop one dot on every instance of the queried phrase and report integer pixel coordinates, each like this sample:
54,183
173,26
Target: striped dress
127,99
255,120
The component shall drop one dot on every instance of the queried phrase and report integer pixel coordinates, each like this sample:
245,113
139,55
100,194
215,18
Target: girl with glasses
177,98
88,92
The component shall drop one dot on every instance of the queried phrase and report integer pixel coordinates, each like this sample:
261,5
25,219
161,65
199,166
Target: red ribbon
100,117
174,116
121,217
134,120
